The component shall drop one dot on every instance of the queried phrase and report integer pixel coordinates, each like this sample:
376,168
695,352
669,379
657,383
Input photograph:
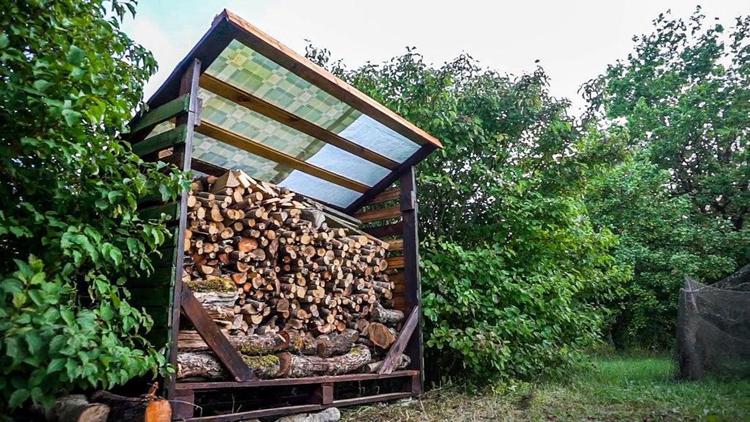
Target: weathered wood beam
257,148
379,214
161,114
213,337
387,195
398,347
258,105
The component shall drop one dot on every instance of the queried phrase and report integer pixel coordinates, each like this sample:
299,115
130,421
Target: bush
69,189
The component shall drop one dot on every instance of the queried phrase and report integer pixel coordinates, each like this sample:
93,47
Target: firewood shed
242,100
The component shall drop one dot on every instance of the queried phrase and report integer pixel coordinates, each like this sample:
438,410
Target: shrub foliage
69,189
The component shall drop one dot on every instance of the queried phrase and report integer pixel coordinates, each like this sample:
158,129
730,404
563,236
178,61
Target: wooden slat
387,195
162,113
371,399
276,382
379,214
389,230
397,348
255,414
206,167
159,142
280,115
395,244
307,70
395,262
257,148
214,338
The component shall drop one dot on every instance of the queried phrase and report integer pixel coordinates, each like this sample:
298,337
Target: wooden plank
250,101
389,230
254,414
183,155
309,71
276,382
182,407
413,296
257,148
379,214
371,399
207,168
395,262
162,113
214,338
395,245
397,348
387,195
161,141
388,180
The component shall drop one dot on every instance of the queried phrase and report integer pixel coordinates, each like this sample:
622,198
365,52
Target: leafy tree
69,230
514,275
681,204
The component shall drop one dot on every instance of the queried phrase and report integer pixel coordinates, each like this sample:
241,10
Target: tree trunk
296,366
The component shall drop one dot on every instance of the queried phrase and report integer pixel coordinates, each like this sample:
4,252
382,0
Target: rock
331,414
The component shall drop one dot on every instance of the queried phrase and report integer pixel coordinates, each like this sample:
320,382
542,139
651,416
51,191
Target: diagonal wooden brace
214,338
398,347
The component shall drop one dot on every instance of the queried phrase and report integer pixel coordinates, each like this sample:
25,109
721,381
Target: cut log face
280,273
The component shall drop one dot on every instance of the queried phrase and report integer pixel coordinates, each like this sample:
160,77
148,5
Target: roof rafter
257,148
258,105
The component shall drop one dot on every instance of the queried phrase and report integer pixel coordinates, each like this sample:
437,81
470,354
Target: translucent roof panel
227,156
241,66
279,117
255,126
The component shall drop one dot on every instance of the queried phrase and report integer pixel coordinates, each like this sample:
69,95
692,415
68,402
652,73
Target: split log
380,335
386,316
146,408
296,366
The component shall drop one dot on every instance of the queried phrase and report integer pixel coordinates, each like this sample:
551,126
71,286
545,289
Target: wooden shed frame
163,294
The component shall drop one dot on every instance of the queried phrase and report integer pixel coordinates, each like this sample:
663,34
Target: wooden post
182,404
411,270
183,155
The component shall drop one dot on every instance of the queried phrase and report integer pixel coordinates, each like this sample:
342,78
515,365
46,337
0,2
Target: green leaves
68,204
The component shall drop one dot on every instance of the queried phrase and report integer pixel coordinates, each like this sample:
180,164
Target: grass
634,388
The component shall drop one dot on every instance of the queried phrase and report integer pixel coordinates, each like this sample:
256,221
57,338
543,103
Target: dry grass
613,389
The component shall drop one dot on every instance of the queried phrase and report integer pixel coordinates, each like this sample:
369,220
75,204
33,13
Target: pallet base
322,398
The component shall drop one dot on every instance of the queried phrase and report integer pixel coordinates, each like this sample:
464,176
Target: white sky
574,40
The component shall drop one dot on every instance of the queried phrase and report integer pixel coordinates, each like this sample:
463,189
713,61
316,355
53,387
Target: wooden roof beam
257,148
258,105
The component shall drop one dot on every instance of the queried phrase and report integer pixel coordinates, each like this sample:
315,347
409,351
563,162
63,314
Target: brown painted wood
254,414
213,337
257,148
207,168
254,103
182,404
371,399
387,195
389,230
396,262
275,382
183,155
387,181
395,245
379,214
316,75
397,348
413,297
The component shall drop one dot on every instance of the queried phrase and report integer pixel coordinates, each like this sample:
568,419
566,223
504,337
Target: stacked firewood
287,279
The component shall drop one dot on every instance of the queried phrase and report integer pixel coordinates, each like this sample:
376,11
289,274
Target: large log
190,340
335,344
76,408
380,335
374,367
296,366
204,365
386,316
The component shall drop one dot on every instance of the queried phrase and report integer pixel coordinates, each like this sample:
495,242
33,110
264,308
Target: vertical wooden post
411,270
183,155
183,404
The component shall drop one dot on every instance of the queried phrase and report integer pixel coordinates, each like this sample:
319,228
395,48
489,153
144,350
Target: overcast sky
573,40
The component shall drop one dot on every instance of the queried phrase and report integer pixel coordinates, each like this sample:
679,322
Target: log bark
336,344
191,341
296,366
76,408
387,316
